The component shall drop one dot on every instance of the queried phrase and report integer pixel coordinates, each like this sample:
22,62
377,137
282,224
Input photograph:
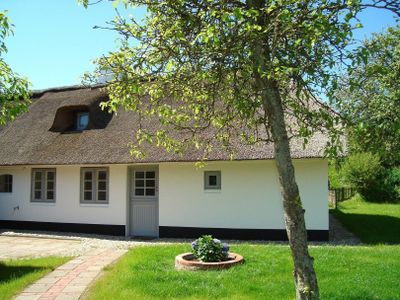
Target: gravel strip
338,236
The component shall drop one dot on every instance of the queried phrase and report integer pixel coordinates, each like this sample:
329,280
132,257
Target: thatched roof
29,141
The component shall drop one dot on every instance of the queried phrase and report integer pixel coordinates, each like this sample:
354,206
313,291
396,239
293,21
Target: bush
392,183
363,171
208,249
335,179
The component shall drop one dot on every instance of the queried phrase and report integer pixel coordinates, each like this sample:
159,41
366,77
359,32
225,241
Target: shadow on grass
8,273
371,229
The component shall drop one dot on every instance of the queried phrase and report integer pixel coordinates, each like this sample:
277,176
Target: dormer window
78,118
82,120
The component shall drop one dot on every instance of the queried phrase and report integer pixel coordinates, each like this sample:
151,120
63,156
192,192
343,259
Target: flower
217,241
225,247
194,244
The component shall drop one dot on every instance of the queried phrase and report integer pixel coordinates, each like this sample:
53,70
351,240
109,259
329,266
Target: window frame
7,183
78,115
207,186
95,183
145,187
43,189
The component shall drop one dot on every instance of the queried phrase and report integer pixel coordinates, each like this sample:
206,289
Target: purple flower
194,244
225,247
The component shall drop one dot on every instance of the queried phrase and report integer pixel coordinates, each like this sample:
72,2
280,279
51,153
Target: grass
373,223
367,272
15,275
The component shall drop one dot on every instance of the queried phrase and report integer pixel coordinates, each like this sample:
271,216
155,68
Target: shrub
392,183
335,180
208,249
363,171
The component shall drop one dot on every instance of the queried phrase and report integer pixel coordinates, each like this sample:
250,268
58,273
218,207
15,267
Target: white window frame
78,116
207,186
43,185
95,183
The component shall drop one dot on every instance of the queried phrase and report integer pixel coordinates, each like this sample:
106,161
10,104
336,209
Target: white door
144,201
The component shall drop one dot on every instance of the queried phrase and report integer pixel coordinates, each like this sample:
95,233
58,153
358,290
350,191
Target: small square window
212,180
82,120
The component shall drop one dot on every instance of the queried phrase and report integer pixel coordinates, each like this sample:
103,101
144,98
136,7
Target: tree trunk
304,275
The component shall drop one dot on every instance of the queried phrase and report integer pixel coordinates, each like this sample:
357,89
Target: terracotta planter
186,261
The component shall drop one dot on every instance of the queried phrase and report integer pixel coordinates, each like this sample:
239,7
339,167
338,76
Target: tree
369,97
14,90
211,70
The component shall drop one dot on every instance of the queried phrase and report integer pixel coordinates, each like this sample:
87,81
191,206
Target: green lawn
373,223
363,272
15,275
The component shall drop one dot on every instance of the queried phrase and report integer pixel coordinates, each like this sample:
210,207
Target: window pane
151,174
50,195
88,175
5,183
38,185
139,183
38,195
102,175
139,192
101,196
83,120
150,192
50,175
88,185
139,174
38,175
50,185
151,183
102,185
87,195
212,180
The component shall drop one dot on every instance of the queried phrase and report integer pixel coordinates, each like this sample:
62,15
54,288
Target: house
65,166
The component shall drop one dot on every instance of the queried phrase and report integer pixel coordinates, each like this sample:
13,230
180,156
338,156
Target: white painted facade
67,207
249,197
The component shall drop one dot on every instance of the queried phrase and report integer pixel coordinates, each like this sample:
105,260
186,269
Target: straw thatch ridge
29,141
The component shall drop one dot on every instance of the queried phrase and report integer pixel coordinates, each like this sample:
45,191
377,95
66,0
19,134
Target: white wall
249,198
67,208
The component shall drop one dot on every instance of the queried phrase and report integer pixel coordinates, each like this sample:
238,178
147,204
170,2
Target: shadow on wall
371,229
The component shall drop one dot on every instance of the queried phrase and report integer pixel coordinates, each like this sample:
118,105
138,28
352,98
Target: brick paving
70,280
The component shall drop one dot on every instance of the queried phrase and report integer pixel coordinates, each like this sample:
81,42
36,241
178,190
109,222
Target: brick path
70,280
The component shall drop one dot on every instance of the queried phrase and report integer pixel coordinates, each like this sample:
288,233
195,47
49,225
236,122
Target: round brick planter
186,261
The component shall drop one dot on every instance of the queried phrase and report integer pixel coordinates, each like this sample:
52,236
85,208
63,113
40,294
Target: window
212,180
82,120
145,183
43,185
6,183
94,185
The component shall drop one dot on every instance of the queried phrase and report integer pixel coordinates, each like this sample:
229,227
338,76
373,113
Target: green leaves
14,94
369,97
193,68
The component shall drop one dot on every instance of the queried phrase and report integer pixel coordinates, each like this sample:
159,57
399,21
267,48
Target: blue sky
54,41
